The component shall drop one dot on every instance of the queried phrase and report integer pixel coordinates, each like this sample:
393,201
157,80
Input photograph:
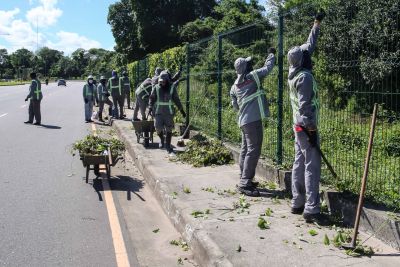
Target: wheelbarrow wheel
137,137
146,139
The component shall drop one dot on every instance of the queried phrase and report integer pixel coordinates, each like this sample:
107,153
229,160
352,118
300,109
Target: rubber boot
161,135
101,117
168,139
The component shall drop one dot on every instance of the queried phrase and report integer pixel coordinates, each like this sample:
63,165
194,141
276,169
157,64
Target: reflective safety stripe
37,91
161,103
144,89
87,93
115,86
258,94
294,97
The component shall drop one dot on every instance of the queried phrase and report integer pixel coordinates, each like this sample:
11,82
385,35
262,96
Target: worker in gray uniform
114,86
248,97
126,88
103,95
303,92
142,94
89,97
35,95
154,79
162,99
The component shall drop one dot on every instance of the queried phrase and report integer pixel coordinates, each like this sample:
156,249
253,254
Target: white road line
3,115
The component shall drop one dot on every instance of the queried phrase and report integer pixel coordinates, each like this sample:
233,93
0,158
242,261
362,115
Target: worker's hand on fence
183,113
86,100
271,50
313,137
320,15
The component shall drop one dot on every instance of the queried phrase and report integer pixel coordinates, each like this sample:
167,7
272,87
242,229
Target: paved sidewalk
216,237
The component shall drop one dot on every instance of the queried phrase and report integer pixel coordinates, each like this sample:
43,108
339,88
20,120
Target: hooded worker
248,97
114,86
126,88
103,95
303,91
89,97
35,95
142,94
157,72
162,99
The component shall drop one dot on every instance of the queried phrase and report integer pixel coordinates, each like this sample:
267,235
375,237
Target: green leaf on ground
174,195
268,212
186,190
326,240
156,230
197,213
263,224
239,248
180,261
313,232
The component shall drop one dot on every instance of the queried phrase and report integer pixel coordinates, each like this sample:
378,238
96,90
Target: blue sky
62,24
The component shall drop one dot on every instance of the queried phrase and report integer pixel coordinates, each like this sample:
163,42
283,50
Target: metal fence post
187,84
279,147
219,133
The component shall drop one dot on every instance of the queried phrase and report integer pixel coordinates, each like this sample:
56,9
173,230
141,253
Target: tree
145,26
48,57
4,62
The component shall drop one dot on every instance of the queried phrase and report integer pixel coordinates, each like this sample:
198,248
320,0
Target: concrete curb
207,251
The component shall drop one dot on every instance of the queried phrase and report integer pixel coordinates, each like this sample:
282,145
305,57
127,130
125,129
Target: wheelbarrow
106,162
144,130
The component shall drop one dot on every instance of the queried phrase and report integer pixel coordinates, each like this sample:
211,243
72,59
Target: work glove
313,137
271,50
86,100
26,99
183,113
320,15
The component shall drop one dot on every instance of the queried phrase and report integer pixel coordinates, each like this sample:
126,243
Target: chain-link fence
356,65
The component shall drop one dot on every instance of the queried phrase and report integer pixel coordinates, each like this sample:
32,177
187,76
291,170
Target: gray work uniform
90,93
306,170
162,101
142,94
126,89
36,96
249,99
102,93
114,86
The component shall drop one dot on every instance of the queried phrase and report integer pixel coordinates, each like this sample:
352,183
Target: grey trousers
306,175
164,123
34,110
89,110
141,105
118,101
252,137
101,107
127,96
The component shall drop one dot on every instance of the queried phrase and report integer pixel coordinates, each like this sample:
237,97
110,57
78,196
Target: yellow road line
118,240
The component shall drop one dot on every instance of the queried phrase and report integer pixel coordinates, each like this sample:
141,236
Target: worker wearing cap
126,88
114,86
89,97
303,92
35,95
142,95
248,97
162,99
103,95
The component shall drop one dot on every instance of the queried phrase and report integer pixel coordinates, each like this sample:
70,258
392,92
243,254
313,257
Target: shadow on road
51,127
120,183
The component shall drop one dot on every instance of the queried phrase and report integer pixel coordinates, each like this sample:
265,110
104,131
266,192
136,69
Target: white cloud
70,41
6,17
44,15
21,34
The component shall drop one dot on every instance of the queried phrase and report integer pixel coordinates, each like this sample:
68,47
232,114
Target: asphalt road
48,215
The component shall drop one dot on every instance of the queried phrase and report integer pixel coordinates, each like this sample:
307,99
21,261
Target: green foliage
95,145
263,224
313,232
202,152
